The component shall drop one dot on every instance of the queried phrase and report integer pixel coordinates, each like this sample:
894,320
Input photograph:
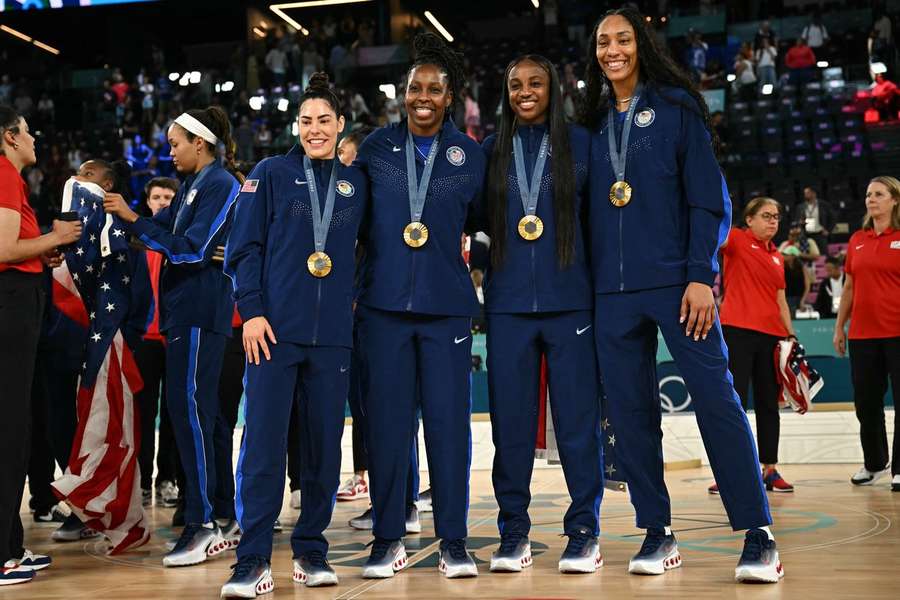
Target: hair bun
428,42
318,81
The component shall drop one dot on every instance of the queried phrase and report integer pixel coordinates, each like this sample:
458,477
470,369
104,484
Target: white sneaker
866,477
413,524
231,534
295,499
196,544
354,488
167,494
895,483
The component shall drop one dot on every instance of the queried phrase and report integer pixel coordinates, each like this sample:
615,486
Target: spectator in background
697,56
886,97
717,121
6,89
745,77
46,110
871,289
830,289
765,33
800,60
244,138
766,56
276,63
795,279
817,217
263,141
473,116
312,63
119,88
23,104
815,33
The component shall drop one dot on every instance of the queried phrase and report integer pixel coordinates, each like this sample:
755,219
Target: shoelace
457,549
245,566
317,559
190,530
577,541
754,544
509,542
380,548
655,538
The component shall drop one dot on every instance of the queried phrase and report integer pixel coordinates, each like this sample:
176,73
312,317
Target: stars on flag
105,287
96,337
126,279
110,307
118,232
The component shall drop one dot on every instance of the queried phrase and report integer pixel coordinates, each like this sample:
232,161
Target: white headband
197,128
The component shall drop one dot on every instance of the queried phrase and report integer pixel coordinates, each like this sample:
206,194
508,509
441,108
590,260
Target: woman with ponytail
539,301
291,257
660,210
196,311
415,306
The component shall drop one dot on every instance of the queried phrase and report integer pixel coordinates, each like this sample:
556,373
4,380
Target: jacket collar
398,132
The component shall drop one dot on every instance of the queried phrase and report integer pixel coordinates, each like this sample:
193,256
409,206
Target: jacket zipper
315,336
621,257
534,305
412,282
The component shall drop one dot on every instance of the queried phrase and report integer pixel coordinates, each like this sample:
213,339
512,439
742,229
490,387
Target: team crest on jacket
645,117
345,188
190,197
456,156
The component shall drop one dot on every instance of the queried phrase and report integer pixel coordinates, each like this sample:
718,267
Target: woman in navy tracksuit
293,273
195,311
538,300
415,307
659,212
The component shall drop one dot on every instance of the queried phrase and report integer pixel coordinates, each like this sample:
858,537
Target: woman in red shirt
23,254
869,299
755,317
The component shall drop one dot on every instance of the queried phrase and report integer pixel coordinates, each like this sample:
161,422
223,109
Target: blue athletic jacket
432,279
680,210
273,236
194,292
530,278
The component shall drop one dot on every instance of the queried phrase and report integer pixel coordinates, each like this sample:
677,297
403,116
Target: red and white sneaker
355,488
775,482
713,489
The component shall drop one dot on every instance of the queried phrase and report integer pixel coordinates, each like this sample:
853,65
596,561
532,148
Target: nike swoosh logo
457,340
173,340
860,246
298,182
396,149
344,369
754,246
580,331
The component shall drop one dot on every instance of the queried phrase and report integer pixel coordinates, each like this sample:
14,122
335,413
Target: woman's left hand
115,204
52,258
698,308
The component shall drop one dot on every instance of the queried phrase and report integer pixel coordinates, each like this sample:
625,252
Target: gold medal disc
531,227
319,264
415,234
620,193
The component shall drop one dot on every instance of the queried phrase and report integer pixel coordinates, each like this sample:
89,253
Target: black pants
21,311
871,362
231,389
751,358
360,455
41,464
150,356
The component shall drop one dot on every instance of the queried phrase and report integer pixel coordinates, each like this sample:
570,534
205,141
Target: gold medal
531,227
620,193
415,234
319,264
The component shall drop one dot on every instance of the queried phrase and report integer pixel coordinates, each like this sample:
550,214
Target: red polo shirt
154,265
874,262
14,196
753,272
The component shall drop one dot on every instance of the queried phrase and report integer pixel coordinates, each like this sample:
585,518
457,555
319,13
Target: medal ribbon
617,158
321,222
418,190
530,193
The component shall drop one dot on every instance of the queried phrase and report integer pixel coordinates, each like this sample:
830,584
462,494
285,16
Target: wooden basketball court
836,541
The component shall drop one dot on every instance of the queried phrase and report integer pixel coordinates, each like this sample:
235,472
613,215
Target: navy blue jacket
530,278
273,236
432,279
194,292
680,210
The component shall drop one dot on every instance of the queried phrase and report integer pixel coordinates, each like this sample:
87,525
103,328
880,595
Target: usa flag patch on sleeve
250,186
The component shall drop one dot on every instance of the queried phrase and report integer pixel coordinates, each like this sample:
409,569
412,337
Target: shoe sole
871,481
213,549
388,571
264,586
460,573
352,498
713,492
361,527
574,569
509,565
36,567
744,575
778,491
414,527
671,561
79,538
16,581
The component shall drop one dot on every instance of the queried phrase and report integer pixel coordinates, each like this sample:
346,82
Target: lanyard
418,190
530,193
321,222
616,157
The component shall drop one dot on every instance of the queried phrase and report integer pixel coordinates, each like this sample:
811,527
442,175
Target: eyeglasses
767,216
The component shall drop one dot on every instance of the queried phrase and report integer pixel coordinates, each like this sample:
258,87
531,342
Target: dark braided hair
657,69
216,120
561,167
319,87
431,50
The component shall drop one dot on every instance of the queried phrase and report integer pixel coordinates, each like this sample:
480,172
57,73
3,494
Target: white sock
210,525
768,532
668,531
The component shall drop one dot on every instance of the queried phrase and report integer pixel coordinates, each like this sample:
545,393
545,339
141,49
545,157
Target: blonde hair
893,186
755,205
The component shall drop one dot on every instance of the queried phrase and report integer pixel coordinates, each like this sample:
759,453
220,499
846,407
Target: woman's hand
840,340
115,204
698,308
67,232
255,332
52,258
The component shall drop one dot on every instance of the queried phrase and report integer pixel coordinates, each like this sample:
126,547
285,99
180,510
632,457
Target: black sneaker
759,561
313,570
178,515
387,557
54,516
455,560
513,555
582,553
73,530
251,577
658,554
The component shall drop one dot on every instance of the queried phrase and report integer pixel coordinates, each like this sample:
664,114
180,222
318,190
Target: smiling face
528,85
319,128
427,97
617,52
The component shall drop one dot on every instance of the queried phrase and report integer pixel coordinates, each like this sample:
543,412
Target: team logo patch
776,260
645,117
190,197
895,245
250,186
345,188
456,156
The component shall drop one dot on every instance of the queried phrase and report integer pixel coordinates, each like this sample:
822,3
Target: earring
15,146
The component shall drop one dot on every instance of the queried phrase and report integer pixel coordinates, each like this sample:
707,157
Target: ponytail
216,120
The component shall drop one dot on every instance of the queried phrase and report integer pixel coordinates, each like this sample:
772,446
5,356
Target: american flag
102,481
798,381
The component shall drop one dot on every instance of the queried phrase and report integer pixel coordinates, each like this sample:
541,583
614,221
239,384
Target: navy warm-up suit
414,316
312,321
535,307
195,315
644,254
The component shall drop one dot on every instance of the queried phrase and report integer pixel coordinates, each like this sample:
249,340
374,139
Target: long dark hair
657,69
216,120
9,121
431,50
561,167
